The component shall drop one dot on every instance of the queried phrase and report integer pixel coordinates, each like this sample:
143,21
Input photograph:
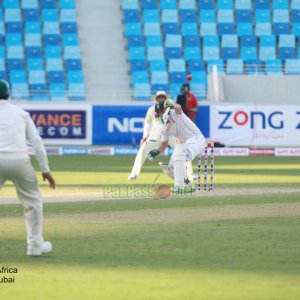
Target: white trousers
17,168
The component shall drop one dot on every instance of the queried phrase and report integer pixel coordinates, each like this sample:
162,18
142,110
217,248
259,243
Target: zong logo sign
257,119
133,125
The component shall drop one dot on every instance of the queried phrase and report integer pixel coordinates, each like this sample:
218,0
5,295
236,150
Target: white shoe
192,177
166,169
132,177
45,248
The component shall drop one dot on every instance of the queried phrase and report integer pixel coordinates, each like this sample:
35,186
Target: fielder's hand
168,103
153,153
47,176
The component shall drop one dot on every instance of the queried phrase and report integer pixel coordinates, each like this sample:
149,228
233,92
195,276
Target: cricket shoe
132,177
166,169
192,177
38,251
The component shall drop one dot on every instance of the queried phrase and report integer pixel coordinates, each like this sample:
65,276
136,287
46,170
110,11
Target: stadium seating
39,49
240,37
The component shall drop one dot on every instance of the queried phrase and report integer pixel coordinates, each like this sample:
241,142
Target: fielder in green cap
4,90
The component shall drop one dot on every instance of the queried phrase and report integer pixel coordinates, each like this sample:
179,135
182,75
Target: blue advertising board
123,125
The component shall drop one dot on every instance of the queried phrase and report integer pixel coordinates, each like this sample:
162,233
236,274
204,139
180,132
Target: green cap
4,89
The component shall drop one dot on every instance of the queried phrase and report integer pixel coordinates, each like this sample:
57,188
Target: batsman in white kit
16,128
152,138
189,143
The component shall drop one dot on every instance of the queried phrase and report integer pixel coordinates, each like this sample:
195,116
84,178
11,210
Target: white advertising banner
255,125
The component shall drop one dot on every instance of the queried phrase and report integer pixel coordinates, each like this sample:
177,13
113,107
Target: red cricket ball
189,77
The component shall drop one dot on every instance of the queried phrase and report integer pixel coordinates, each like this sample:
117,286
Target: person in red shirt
191,106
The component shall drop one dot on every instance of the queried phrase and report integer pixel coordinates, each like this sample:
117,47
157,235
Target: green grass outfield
240,245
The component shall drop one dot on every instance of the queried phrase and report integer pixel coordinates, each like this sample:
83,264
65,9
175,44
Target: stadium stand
39,49
172,38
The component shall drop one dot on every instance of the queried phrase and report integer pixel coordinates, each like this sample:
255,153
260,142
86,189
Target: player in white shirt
16,128
190,141
152,139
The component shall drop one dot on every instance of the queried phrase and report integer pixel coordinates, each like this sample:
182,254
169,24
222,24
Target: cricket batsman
16,128
189,143
151,138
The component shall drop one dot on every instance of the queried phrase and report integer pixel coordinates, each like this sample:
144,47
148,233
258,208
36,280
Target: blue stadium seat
75,77
268,41
248,41
295,4
31,15
51,28
53,52
267,53
139,77
189,29
170,28
211,53
135,40
72,52
226,28
273,67
33,40
178,77
150,16
69,15
206,4
159,87
296,29
262,4
136,53
263,29
229,47
13,39
225,16
15,52
54,64
129,4
58,91
138,65
133,29
208,29
243,4
49,15
207,16
192,53
235,67
14,27
155,53
169,16
37,77
248,53
33,27
142,91
187,15
218,63
73,64
76,92
12,15
244,29
157,65
173,40
56,77
199,77
147,4
229,53
17,76
69,27
173,52
225,4
15,64
159,77
281,16
67,4
196,65
191,40
33,52
51,39
39,92
168,4
296,16
292,67
70,39
199,90
153,40
187,4
48,3
287,53
262,16
177,65
35,64
29,3
281,28
152,29
244,16
10,3
254,66
280,4
20,91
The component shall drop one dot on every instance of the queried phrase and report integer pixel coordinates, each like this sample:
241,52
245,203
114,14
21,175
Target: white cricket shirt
16,128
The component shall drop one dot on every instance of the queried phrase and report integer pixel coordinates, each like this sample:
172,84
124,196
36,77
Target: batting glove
168,103
153,153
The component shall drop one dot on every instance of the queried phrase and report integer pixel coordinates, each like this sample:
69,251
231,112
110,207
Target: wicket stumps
205,160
